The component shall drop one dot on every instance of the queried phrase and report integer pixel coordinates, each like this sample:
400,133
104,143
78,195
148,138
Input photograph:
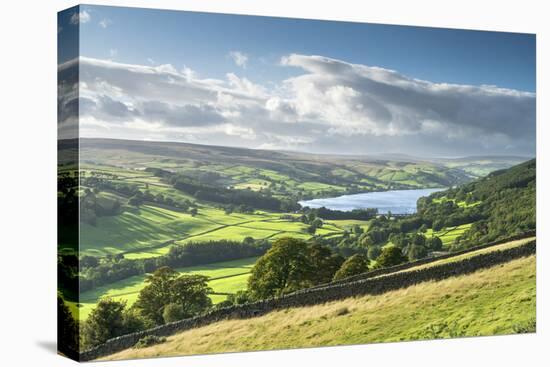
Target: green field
146,231
448,235
226,277
460,204
495,301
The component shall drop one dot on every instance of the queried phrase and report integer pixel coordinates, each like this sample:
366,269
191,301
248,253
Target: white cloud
80,18
331,106
105,22
239,58
369,100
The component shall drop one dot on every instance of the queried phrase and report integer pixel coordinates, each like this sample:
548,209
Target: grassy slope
142,232
228,277
488,302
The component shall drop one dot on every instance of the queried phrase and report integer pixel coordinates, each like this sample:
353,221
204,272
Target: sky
303,85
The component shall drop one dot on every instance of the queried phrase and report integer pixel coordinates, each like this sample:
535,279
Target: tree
89,261
67,329
390,256
415,252
434,243
249,241
357,230
353,265
166,286
135,200
284,268
438,225
418,239
374,252
173,312
317,223
239,298
104,322
292,264
324,263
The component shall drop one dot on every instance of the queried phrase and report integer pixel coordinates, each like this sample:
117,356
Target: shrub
149,340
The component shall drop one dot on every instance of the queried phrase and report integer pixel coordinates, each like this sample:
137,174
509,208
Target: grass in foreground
499,300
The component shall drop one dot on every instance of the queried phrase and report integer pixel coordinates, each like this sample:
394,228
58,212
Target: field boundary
312,296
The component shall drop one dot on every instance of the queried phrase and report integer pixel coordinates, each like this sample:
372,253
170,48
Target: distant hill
503,203
301,174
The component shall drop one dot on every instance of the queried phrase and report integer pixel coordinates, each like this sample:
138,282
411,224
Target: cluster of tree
289,265
312,221
140,197
507,204
67,329
498,206
167,297
416,245
357,214
136,196
67,275
96,271
91,208
231,208
227,196
292,264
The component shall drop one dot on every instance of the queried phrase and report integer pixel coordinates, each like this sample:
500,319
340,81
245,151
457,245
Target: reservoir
395,201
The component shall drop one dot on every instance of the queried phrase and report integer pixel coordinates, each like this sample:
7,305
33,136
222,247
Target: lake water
396,201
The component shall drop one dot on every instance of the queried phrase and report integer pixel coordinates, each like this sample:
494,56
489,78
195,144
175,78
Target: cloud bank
331,106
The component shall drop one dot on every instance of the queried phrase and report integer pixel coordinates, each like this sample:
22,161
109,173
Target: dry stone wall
327,293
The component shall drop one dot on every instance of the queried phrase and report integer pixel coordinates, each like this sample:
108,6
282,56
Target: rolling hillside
456,304
307,174
498,300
